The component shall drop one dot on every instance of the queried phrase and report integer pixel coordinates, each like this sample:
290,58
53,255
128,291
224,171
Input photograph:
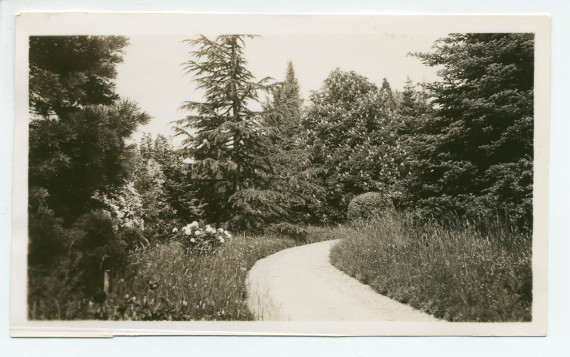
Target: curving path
300,284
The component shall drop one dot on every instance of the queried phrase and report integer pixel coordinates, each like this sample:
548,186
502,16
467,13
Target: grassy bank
161,282
459,272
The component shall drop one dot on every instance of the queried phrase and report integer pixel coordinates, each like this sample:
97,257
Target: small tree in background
293,175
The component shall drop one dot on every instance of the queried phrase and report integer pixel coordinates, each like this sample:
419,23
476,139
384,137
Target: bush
98,250
199,240
133,237
288,230
47,237
367,205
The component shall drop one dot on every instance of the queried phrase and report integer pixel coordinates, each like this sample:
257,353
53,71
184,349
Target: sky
152,73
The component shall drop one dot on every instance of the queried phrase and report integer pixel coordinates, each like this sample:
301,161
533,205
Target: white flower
194,225
192,240
221,239
220,230
197,233
174,230
187,231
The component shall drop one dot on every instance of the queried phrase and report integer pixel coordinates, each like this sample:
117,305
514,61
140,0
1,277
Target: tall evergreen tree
229,142
286,105
78,127
292,175
477,149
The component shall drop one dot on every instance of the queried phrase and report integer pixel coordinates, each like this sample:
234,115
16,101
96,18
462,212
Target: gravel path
300,284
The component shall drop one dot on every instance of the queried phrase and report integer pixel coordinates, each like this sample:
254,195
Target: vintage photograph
385,175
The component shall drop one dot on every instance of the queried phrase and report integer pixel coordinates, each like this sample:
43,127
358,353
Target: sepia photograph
280,174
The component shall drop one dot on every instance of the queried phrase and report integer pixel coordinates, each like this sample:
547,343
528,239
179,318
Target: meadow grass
458,271
161,282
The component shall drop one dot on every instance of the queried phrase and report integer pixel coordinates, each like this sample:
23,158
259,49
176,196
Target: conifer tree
229,142
293,174
476,151
287,105
387,97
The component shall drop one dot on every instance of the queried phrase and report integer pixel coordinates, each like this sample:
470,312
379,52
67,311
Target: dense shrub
293,231
367,205
99,249
47,237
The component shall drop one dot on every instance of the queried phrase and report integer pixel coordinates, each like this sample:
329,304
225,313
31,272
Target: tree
81,152
77,145
477,149
70,72
228,141
287,103
78,127
387,97
293,175
352,139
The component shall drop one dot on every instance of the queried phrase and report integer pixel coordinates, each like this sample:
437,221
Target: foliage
98,250
70,72
367,205
458,271
78,127
352,140
47,236
293,176
80,153
77,149
482,127
229,143
296,232
125,205
165,182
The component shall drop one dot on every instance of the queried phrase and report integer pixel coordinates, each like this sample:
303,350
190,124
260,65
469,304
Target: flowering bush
201,240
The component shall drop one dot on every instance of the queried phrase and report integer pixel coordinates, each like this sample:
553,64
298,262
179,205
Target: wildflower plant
201,240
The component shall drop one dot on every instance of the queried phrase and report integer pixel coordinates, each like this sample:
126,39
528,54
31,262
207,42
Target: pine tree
293,174
229,142
287,105
387,97
476,151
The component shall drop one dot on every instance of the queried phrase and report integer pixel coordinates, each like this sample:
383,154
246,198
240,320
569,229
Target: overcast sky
152,75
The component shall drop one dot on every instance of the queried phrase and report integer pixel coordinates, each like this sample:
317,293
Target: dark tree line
462,144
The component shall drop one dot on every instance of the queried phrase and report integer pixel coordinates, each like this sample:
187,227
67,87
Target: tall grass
458,271
161,282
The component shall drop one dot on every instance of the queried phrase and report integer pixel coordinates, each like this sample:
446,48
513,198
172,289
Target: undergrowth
460,271
161,282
